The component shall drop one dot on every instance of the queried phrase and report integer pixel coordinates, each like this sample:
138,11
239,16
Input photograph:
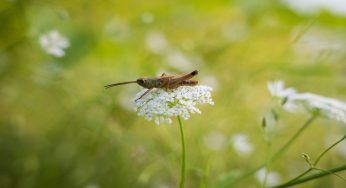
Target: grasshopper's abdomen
153,83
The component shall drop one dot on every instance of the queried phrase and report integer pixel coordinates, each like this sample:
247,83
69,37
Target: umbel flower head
160,105
297,102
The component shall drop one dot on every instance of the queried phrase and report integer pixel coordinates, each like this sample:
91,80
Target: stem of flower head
313,176
299,179
275,155
294,137
329,148
183,154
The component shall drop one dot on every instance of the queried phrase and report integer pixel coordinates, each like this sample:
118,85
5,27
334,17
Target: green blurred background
60,128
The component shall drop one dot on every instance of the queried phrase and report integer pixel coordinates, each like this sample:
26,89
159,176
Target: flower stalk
183,154
275,155
298,179
314,176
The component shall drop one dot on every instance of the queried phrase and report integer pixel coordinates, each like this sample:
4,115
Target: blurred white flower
117,30
215,141
298,102
160,105
53,43
156,42
328,107
241,144
147,17
178,60
315,6
235,32
273,178
277,89
318,44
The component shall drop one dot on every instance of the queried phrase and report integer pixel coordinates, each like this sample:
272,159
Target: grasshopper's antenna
117,84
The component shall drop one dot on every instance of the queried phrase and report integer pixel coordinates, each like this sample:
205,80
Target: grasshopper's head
141,82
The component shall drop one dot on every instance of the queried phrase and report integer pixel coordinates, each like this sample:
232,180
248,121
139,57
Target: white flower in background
117,30
178,60
156,42
315,6
277,89
160,105
328,107
215,141
298,102
53,43
241,144
273,178
317,43
235,32
147,17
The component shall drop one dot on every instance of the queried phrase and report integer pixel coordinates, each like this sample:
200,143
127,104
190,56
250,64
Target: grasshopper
165,81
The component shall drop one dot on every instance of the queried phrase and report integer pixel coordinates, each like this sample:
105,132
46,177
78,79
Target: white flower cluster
159,105
53,43
298,102
337,7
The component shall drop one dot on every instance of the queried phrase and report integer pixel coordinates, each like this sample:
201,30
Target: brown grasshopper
165,81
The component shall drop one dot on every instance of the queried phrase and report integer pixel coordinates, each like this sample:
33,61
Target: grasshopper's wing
187,76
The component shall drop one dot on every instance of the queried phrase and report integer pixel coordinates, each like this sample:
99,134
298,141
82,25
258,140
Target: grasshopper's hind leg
146,92
189,83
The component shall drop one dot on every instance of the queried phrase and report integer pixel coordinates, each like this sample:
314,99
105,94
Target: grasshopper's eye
140,81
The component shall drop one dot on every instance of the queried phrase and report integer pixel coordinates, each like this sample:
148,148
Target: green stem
277,154
295,136
329,148
183,168
331,173
314,176
312,166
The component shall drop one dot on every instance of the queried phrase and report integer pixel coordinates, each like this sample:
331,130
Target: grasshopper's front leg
146,92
